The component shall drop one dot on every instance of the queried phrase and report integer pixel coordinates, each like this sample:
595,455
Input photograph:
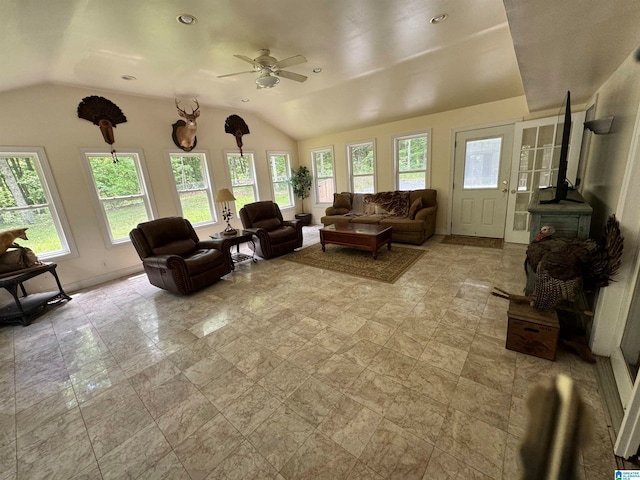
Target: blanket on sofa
394,203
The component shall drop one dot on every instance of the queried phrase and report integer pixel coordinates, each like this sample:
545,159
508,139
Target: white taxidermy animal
8,237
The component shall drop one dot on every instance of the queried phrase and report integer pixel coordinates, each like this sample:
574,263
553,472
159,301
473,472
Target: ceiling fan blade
290,75
246,59
288,62
237,73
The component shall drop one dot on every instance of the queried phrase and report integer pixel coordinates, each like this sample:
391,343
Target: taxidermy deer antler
184,133
105,114
237,127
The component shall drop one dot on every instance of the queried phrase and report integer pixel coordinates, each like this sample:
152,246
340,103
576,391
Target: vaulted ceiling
380,60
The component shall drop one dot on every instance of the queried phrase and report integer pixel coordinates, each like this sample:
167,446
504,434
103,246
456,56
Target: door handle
513,191
505,190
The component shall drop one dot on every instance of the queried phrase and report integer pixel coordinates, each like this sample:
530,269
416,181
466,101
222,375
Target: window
323,176
191,177
411,161
362,167
280,167
28,198
243,182
482,163
120,191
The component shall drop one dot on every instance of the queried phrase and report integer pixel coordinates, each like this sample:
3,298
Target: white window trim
316,198
255,178
350,163
396,163
273,193
149,201
210,184
69,249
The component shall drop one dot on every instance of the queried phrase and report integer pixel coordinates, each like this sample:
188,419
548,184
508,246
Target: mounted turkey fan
105,114
237,127
564,267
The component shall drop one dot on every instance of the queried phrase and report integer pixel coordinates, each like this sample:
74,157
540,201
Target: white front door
481,181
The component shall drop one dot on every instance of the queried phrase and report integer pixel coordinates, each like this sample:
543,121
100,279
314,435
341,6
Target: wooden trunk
531,331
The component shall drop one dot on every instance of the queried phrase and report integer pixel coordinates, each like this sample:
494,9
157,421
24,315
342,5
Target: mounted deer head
184,133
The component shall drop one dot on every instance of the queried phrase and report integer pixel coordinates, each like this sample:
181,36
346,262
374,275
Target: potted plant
300,181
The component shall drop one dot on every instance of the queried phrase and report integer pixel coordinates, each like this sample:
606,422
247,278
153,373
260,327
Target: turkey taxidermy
564,267
104,113
237,127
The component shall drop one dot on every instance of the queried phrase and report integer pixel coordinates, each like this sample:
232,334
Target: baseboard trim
609,392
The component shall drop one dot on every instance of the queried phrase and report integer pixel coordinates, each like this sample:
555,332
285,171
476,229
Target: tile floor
283,371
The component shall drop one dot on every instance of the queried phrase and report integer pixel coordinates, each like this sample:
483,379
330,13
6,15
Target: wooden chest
531,331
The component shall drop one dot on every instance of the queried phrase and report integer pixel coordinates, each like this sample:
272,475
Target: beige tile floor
283,371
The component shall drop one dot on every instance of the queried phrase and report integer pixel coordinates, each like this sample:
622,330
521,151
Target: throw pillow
342,200
415,206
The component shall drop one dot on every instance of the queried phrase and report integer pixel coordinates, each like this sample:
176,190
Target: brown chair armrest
164,261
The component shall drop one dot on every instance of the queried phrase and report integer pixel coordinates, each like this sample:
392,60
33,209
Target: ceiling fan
270,68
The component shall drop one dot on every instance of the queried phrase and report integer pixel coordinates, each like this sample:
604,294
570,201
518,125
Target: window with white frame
280,167
411,156
191,177
243,179
121,192
323,174
29,199
362,167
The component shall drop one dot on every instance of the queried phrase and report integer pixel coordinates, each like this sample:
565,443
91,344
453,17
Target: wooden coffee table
357,235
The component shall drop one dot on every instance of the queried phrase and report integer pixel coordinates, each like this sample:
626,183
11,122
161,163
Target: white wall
46,116
441,125
612,182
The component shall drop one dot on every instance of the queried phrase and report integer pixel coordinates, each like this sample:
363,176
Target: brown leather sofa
272,235
414,227
174,258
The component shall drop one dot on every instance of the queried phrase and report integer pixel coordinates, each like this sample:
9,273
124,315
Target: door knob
505,190
513,191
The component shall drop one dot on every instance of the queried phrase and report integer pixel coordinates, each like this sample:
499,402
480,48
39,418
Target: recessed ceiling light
244,100
439,18
128,77
317,70
186,19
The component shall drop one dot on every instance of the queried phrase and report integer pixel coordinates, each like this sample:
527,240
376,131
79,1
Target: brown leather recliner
174,258
272,235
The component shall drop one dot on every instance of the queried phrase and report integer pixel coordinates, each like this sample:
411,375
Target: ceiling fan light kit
270,68
266,80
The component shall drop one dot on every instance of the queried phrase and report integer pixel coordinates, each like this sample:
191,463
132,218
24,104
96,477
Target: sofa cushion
403,224
202,259
415,206
367,219
342,201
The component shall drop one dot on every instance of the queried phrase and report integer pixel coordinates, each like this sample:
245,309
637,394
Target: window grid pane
411,161
280,173
242,179
120,193
25,202
192,184
323,175
362,167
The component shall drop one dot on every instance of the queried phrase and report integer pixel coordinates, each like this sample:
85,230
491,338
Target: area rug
388,267
473,241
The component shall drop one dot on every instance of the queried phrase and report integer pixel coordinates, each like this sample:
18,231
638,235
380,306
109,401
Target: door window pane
482,163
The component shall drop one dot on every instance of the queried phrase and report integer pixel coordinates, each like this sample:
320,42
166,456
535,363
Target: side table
28,306
225,242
